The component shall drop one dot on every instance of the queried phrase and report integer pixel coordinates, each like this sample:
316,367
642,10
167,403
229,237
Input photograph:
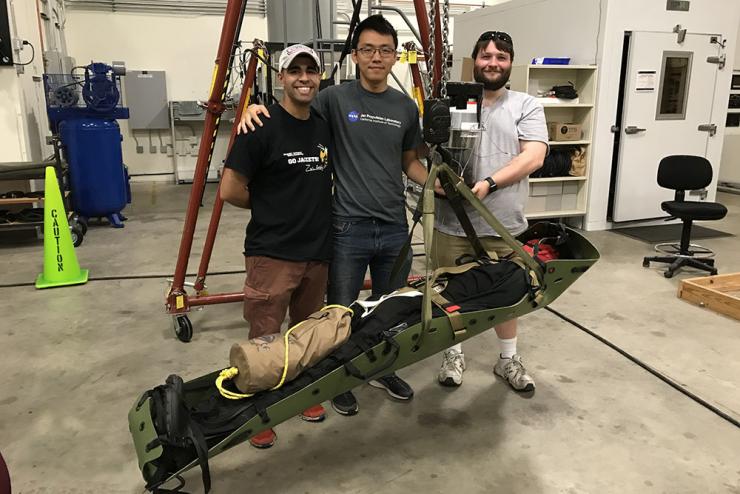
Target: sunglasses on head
494,35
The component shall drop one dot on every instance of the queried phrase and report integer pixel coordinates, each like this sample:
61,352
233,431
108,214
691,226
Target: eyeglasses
367,52
494,35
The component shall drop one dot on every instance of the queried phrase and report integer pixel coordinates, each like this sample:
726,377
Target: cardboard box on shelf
562,131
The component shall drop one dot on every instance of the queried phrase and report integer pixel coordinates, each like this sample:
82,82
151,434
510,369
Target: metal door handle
711,128
633,130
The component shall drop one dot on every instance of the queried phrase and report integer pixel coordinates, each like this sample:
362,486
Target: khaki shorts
446,249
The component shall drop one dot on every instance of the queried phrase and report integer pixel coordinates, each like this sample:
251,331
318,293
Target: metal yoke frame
178,301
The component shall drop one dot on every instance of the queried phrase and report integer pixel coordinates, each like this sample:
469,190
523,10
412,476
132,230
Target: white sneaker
512,369
451,372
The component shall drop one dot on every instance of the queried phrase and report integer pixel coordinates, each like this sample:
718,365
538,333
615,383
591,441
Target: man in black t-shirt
376,139
282,173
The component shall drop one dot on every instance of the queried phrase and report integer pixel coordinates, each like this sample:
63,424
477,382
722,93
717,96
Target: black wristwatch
492,185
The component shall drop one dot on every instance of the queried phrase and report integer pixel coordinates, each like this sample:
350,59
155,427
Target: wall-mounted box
146,98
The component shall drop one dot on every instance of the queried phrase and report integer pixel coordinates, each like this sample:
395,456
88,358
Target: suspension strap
455,200
406,248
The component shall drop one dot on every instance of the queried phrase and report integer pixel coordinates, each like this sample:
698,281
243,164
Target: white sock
457,348
508,347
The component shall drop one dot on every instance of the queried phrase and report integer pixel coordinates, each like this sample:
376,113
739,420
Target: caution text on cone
60,261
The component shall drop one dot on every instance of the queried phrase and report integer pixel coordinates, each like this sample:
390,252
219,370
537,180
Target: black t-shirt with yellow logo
290,181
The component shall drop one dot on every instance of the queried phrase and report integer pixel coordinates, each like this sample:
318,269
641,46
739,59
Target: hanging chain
430,60
445,48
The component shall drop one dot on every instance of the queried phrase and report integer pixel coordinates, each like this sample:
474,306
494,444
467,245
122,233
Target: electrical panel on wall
146,97
6,45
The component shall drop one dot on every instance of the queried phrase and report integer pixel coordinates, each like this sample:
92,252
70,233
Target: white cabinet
556,197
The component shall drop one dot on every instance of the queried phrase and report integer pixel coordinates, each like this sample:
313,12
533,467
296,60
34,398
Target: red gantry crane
179,302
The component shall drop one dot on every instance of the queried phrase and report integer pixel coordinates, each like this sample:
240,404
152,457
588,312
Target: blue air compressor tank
98,179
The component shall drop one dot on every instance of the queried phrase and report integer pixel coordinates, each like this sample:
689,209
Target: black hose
348,42
651,370
319,33
128,277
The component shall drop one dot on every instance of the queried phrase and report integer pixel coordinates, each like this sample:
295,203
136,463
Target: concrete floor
75,359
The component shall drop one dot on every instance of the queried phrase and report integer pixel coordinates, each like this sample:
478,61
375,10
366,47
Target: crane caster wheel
183,328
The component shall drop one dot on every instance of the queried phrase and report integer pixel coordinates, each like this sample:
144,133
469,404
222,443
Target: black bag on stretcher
179,425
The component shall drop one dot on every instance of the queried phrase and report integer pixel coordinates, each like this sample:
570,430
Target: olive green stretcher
180,425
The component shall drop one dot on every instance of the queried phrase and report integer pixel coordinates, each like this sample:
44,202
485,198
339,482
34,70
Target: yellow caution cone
60,262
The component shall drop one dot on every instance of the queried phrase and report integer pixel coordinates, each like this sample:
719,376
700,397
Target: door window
674,85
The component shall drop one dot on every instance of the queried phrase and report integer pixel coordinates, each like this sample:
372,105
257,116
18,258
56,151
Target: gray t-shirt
513,117
370,132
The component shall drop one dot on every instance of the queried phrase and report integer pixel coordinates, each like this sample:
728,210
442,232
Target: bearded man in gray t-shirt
512,146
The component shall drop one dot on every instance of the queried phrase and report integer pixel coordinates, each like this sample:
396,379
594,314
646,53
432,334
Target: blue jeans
360,243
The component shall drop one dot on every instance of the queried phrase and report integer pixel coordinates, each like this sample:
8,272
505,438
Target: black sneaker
394,386
345,404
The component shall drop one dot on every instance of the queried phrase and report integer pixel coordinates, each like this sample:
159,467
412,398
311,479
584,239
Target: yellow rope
231,372
337,306
226,374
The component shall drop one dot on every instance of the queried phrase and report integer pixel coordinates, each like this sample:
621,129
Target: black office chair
682,173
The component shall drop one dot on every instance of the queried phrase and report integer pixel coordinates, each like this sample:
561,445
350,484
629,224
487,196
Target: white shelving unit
556,179
567,105
560,197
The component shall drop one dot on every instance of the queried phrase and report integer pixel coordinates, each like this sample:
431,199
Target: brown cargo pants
274,285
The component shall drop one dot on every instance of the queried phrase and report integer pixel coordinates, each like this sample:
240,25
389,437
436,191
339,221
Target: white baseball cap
288,54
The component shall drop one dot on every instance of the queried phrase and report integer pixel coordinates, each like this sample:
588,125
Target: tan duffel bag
270,361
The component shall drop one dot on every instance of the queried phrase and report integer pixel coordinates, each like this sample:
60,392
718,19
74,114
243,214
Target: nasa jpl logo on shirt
353,116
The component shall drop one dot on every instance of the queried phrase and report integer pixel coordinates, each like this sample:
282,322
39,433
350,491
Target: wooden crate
720,293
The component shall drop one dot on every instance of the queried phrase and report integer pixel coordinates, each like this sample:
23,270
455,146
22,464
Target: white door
669,91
